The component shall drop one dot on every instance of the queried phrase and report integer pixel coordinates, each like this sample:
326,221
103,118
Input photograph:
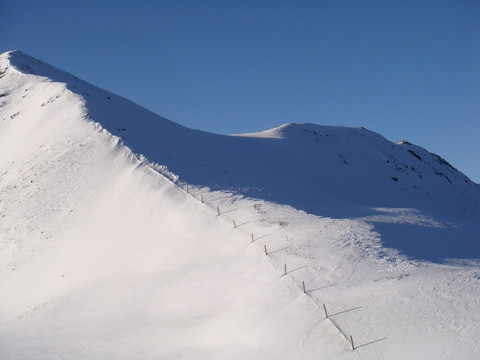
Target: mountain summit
126,235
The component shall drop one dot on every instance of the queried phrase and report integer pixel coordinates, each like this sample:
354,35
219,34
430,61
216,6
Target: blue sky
405,69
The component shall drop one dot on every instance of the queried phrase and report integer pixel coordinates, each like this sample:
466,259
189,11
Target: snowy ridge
103,255
381,170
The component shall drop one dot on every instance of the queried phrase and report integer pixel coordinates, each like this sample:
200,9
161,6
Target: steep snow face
323,161
103,255
323,170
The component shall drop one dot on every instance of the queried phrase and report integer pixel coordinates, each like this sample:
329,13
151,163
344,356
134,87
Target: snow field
371,293
112,260
107,274
103,256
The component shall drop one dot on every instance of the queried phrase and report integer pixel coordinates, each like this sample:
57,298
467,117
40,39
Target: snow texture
125,235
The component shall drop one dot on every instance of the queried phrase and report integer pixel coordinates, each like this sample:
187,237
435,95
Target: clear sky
409,70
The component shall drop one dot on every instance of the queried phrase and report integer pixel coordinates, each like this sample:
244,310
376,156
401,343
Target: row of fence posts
235,226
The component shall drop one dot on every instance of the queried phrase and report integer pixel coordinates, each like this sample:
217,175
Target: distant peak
15,55
10,52
26,64
294,130
274,133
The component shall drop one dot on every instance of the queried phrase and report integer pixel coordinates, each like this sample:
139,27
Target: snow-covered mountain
126,235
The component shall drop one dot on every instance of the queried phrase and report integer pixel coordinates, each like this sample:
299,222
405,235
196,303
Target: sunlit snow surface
104,254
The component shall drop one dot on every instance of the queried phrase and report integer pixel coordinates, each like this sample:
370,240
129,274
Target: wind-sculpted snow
304,165
323,170
125,235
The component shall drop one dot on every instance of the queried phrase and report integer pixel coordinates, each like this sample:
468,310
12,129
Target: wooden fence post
285,269
252,237
303,285
265,246
351,342
201,197
234,225
325,309
218,211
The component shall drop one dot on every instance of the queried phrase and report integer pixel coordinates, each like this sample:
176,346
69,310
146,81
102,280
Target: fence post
252,237
265,246
351,342
234,225
325,309
201,196
218,211
303,285
285,269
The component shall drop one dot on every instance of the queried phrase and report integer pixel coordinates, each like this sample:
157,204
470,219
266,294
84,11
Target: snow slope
108,251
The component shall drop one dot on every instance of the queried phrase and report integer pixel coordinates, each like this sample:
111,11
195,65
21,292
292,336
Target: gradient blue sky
405,69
